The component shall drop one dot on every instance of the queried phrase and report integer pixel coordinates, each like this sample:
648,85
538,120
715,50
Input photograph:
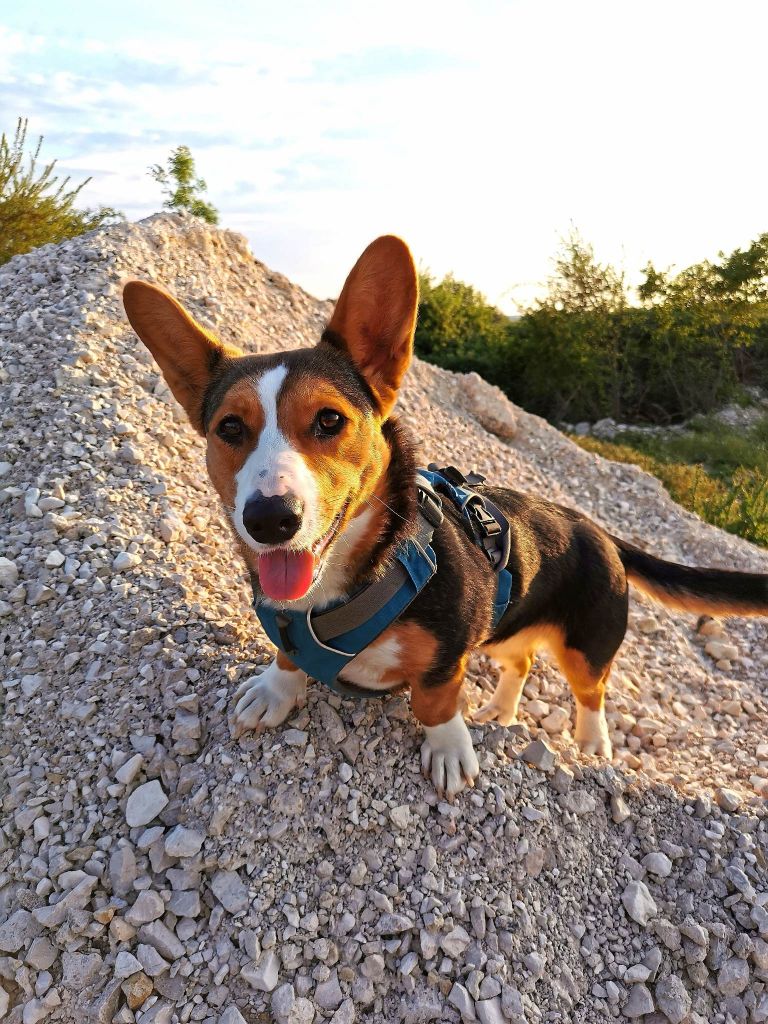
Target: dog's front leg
447,756
266,699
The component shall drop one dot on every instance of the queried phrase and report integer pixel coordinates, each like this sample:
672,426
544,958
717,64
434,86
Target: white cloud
479,132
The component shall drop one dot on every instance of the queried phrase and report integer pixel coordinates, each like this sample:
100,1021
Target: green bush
35,207
584,352
719,473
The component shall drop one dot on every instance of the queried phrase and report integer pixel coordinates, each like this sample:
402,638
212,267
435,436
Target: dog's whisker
389,507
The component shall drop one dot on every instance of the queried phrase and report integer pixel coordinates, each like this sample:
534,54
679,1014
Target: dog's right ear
187,354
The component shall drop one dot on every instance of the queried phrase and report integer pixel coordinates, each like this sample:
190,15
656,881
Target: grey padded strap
359,609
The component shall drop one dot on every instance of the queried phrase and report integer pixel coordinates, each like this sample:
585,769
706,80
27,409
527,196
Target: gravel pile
154,870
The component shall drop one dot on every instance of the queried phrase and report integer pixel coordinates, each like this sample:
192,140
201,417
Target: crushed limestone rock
138,836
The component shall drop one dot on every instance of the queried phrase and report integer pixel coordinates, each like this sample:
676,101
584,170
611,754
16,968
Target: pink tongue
286,575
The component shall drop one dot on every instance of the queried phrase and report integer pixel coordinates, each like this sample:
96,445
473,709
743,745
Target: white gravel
310,874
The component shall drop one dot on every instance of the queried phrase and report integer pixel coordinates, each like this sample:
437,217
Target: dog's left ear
188,355
375,317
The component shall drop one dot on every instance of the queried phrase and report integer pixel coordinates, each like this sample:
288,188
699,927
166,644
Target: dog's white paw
267,698
592,732
495,711
447,756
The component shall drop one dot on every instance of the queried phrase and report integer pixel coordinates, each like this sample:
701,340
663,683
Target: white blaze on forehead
275,467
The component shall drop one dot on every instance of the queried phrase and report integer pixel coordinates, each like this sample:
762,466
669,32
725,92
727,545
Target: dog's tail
689,589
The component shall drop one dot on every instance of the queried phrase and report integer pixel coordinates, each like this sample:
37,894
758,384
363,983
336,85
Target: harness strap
323,643
363,606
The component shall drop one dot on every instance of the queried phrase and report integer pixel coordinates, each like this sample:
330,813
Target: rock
151,961
75,899
125,560
393,924
400,816
137,989
147,907
162,938
539,755
328,994
619,809
230,891
345,1014
104,1007
512,1004
489,1011
728,799
233,1016
185,903
79,969
126,964
263,975
639,1004
658,864
145,803
733,976
461,999
9,573
673,999
556,720
455,942
183,842
19,930
42,954
127,772
490,406
122,870
719,651
639,903
282,1002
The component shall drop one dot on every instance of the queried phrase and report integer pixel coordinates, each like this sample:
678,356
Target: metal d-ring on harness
323,643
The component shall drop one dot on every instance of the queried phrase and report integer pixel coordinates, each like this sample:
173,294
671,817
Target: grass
718,472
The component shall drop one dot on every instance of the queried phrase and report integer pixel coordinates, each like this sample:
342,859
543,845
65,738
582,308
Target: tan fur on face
347,468
224,461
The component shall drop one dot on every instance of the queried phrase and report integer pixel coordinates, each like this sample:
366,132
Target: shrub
35,207
182,187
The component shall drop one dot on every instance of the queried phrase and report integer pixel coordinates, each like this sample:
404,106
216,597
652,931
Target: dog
317,479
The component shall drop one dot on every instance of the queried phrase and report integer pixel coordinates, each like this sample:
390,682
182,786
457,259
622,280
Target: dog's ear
186,353
375,317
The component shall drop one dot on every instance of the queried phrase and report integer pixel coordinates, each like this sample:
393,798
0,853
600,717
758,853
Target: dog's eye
329,422
231,429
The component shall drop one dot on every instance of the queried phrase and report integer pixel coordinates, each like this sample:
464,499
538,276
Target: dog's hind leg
502,706
588,686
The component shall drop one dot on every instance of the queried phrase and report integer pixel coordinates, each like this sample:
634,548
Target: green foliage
35,207
182,187
458,329
718,472
584,352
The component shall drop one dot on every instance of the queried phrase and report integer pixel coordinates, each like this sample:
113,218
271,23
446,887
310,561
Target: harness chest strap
323,643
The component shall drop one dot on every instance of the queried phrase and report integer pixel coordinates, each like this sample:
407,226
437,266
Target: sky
482,132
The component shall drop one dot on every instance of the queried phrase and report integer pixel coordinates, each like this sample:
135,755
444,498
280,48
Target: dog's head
295,446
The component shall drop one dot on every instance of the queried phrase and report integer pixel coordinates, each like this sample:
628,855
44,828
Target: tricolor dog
372,583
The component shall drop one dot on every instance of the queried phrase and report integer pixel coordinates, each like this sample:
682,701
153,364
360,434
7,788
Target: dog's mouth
286,574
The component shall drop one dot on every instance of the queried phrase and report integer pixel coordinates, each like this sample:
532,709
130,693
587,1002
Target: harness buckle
430,505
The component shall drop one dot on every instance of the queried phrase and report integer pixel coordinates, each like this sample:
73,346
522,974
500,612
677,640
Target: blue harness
323,643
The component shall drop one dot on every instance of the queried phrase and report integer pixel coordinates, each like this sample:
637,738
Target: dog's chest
378,667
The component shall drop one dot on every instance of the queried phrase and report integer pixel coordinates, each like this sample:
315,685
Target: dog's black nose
273,520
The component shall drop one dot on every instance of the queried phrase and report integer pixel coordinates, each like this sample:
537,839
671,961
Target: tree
182,187
35,207
582,285
457,327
